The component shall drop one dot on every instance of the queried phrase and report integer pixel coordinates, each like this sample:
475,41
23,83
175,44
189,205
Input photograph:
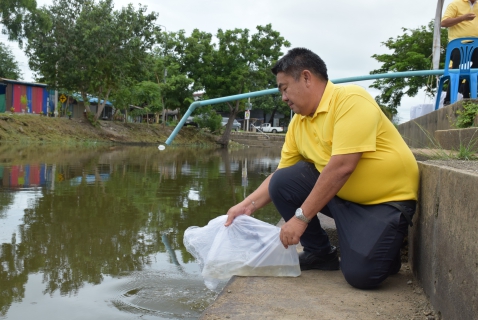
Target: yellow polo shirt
465,28
348,120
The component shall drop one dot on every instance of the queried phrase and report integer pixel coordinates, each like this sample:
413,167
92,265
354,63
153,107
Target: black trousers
464,88
370,236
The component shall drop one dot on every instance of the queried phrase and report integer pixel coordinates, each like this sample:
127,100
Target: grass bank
34,129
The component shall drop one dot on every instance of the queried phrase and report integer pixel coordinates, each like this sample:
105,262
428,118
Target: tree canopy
8,65
91,48
13,13
168,71
239,62
410,51
20,17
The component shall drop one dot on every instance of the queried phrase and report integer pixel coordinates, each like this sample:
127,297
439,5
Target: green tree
146,94
91,48
168,71
238,63
122,98
410,51
12,15
209,119
8,65
270,104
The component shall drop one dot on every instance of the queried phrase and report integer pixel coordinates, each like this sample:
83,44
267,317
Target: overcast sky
344,33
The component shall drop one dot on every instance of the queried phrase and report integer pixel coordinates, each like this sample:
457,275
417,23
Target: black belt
400,205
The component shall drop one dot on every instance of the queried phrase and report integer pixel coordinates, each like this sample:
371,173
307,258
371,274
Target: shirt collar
325,100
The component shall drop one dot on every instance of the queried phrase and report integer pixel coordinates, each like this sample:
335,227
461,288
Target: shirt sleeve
290,153
356,125
450,12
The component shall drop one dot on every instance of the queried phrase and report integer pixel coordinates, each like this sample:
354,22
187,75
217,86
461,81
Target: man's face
293,93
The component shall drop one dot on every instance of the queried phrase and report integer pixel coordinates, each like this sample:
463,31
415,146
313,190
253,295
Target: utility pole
437,35
163,118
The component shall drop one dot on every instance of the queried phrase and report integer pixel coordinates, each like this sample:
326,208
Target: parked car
235,125
190,121
267,127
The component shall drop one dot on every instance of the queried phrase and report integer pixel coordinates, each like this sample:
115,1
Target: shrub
466,117
210,120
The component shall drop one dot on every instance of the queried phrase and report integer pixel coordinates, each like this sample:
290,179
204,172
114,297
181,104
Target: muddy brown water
97,233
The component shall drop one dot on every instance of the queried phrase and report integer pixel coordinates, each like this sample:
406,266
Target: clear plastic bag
248,247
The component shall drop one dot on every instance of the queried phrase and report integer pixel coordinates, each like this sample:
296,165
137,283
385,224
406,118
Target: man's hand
291,232
450,22
254,201
237,210
468,16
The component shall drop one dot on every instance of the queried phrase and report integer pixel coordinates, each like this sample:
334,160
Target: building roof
94,100
25,83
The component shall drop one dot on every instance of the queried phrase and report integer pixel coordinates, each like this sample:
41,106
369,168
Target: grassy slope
26,129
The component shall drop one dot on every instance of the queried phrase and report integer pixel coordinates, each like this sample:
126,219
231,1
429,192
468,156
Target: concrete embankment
258,139
443,244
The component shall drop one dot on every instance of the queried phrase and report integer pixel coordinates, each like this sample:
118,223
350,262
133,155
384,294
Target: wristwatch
299,214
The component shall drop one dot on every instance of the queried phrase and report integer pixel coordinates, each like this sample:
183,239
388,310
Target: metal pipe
194,105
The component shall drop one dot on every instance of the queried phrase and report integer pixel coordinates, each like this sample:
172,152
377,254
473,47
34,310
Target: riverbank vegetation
35,129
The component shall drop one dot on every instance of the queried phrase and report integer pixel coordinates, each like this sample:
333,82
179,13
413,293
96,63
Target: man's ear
307,76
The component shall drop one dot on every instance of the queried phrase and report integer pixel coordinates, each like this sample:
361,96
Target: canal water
97,233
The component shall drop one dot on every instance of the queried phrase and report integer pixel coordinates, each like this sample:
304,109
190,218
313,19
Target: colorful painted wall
23,97
23,176
3,88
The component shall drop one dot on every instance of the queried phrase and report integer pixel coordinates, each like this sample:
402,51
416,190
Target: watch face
300,215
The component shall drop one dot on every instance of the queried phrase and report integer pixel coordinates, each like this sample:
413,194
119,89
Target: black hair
298,60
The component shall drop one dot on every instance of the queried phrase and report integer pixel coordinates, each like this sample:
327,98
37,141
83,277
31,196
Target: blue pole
194,105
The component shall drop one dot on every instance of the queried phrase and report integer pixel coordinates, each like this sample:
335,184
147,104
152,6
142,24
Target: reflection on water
98,233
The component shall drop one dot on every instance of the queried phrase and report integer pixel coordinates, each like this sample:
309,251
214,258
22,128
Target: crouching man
344,158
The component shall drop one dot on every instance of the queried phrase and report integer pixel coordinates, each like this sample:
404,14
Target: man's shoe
328,261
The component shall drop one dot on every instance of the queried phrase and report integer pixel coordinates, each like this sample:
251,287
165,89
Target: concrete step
453,139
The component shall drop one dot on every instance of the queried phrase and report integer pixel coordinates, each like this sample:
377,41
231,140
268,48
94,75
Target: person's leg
288,189
465,85
474,64
370,238
455,59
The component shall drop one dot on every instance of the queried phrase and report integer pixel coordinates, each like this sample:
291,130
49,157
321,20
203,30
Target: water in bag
248,247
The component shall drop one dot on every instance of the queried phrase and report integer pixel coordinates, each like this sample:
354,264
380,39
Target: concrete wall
454,138
443,243
258,139
419,132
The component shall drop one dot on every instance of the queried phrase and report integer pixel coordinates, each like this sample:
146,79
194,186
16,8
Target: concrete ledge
454,138
443,244
420,132
417,132
252,139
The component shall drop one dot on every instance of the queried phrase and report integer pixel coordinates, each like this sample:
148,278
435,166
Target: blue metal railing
194,105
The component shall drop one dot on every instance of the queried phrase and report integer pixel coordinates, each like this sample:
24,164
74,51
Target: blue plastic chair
466,47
